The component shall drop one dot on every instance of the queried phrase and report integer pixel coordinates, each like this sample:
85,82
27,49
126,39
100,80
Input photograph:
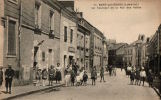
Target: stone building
97,48
39,33
135,53
31,36
83,42
68,35
154,57
116,52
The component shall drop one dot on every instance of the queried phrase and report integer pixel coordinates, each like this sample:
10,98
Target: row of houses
144,52
40,33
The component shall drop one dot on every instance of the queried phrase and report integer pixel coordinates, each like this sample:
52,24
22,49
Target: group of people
9,74
138,76
53,73
78,76
75,75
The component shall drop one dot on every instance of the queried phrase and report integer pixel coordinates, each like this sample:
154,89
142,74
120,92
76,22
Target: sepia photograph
80,49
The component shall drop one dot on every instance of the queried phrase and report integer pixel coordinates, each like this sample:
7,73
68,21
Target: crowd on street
73,76
78,76
138,75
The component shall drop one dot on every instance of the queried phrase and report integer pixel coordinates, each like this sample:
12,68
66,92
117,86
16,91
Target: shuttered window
71,36
65,34
11,38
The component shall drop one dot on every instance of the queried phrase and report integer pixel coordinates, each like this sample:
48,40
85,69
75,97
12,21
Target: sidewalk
20,91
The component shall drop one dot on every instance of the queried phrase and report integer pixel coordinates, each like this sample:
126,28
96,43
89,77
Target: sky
124,25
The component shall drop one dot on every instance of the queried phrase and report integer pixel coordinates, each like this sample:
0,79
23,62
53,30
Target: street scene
115,88
80,49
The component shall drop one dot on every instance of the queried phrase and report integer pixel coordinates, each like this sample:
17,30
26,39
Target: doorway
70,59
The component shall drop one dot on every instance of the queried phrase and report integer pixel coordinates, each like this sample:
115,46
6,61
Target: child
132,76
85,78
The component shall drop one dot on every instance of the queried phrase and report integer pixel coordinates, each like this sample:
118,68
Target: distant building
135,54
116,53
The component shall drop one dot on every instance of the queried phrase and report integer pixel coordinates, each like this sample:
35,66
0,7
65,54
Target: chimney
69,4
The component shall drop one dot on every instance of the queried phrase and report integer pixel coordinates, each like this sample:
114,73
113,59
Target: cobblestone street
115,88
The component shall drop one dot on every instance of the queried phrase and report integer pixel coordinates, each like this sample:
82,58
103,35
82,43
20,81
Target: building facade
31,37
68,36
97,49
36,34
135,54
83,43
154,52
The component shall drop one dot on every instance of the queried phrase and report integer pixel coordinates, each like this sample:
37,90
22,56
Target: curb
31,92
155,89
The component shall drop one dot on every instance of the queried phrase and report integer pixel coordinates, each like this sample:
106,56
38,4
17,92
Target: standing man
94,75
51,75
9,73
102,74
110,70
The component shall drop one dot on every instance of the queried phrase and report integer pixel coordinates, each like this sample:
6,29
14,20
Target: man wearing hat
9,73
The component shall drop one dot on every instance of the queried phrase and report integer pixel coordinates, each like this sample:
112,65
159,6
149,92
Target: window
50,50
38,15
43,56
65,34
51,20
11,37
71,36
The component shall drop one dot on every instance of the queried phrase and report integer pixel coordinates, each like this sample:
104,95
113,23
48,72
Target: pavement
20,91
115,88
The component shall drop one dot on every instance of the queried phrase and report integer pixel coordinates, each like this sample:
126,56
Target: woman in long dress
68,75
58,73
